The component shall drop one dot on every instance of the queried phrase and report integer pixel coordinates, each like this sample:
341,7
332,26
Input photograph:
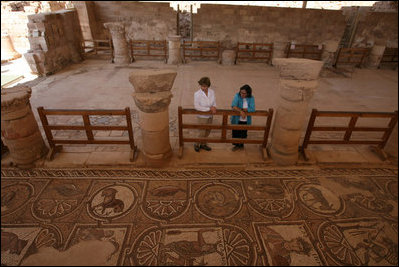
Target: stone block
298,68
297,90
152,102
146,81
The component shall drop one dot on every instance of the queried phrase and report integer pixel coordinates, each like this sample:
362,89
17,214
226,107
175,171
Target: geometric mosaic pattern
336,216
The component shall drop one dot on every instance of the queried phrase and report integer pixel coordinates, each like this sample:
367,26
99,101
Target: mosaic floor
203,217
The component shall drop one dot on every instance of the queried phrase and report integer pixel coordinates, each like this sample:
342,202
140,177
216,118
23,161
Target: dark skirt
240,133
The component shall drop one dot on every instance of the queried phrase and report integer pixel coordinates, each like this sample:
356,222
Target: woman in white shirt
204,100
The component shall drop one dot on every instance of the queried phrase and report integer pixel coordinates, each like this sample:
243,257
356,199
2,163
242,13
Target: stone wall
267,24
54,40
149,21
377,28
14,19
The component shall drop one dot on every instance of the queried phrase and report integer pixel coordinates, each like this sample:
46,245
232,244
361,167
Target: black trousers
240,133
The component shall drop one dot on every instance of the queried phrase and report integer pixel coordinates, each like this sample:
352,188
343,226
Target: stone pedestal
228,57
121,48
7,49
174,50
298,81
152,96
330,47
375,56
278,49
19,128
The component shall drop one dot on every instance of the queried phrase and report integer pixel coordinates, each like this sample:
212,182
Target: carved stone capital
152,80
15,98
152,102
115,27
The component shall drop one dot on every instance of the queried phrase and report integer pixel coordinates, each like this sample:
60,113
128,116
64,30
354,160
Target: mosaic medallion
319,199
15,196
165,200
195,245
112,202
218,201
269,197
58,199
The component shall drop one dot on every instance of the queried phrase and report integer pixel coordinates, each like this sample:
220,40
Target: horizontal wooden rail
304,51
224,127
350,128
201,49
85,113
97,45
251,51
351,56
145,48
390,55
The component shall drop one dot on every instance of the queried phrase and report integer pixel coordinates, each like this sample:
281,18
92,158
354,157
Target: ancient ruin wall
54,41
149,21
377,28
14,19
267,24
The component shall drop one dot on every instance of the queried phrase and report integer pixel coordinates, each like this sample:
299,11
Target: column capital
115,26
298,68
152,80
15,97
175,38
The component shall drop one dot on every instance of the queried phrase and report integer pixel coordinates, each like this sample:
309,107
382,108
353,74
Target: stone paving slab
221,217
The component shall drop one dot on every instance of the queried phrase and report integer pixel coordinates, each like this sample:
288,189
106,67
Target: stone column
330,47
174,50
19,128
121,49
375,56
298,81
228,57
7,49
152,96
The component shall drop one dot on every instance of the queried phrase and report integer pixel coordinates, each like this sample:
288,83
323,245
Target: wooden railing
94,46
85,113
304,51
254,51
390,55
224,127
351,56
350,128
201,49
145,48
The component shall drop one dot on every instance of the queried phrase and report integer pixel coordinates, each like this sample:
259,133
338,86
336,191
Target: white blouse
202,102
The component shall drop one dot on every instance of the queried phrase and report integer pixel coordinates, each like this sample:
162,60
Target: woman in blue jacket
243,102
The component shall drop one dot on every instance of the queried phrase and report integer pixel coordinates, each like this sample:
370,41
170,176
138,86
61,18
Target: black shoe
206,147
196,148
235,148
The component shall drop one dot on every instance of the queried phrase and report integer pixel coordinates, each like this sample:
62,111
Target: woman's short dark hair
248,89
205,81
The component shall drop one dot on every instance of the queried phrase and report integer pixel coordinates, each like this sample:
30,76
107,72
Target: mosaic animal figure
11,242
168,190
317,197
110,201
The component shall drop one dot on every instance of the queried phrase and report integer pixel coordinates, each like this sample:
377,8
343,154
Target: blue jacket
237,102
